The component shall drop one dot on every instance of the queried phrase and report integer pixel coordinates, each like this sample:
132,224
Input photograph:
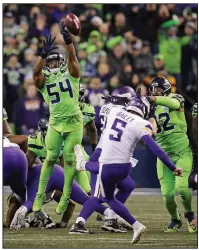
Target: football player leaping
59,85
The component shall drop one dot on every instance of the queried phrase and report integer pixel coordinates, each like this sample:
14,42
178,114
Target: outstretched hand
65,33
48,46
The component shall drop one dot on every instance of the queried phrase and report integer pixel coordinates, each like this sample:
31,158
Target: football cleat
174,226
124,223
191,227
19,217
190,219
80,162
113,226
38,202
48,223
138,232
58,225
78,228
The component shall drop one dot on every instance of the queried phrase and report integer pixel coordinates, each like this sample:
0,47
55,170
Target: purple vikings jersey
123,131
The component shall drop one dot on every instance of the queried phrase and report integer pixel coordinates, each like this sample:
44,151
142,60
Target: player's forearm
171,103
153,146
154,126
38,66
72,62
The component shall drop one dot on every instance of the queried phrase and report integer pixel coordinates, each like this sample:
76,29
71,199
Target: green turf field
148,209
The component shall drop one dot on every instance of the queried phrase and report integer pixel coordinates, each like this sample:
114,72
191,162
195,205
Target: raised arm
175,103
72,62
153,146
38,76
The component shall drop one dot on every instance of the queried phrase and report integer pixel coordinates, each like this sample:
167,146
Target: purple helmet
137,105
126,91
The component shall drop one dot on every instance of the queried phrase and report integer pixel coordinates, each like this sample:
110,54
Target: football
73,24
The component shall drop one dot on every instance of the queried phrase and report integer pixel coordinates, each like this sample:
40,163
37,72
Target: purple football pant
107,180
56,182
125,186
15,169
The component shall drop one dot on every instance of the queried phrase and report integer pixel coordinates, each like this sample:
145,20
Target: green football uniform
172,137
61,93
36,144
5,117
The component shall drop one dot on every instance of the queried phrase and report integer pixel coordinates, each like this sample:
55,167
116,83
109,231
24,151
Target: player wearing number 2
59,85
172,137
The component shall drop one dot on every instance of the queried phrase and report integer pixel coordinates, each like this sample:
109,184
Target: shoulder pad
33,136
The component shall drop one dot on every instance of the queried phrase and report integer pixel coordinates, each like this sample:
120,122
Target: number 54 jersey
172,128
123,131
61,93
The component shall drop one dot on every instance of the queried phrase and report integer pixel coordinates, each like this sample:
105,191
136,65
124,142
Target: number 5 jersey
123,131
172,127
61,93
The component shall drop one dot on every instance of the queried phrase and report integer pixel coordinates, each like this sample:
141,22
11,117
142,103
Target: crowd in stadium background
120,44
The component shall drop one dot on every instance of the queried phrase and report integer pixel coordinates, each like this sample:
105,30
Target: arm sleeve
153,146
171,103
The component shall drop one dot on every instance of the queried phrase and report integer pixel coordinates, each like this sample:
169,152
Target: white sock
136,225
109,213
80,219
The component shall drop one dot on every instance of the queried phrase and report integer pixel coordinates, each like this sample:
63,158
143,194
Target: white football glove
19,217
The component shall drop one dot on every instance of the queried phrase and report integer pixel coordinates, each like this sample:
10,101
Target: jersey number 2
119,130
62,89
165,126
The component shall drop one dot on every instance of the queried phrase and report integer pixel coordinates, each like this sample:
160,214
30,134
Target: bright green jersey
61,93
36,144
88,112
172,126
5,117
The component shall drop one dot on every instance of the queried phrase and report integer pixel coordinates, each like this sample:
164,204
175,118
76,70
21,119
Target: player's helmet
43,125
54,61
122,95
137,105
160,83
81,93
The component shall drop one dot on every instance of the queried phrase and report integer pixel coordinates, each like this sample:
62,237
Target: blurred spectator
189,58
135,81
117,56
126,74
119,25
95,47
113,83
28,111
9,26
60,12
29,59
87,68
170,46
13,76
40,28
142,58
104,73
94,96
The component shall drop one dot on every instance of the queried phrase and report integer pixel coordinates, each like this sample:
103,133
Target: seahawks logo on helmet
58,60
161,82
